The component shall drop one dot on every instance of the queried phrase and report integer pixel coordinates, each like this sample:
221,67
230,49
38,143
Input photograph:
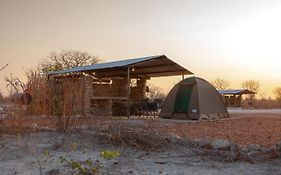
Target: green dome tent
194,98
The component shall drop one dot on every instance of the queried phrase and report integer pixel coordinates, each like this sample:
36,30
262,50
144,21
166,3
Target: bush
141,137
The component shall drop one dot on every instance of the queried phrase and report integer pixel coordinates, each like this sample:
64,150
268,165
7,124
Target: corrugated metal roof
151,66
235,91
112,64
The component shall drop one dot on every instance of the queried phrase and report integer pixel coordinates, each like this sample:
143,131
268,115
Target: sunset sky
235,40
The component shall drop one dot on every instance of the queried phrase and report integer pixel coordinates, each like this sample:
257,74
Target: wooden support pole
182,77
128,91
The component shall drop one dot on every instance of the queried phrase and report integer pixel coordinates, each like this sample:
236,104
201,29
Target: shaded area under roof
236,92
151,66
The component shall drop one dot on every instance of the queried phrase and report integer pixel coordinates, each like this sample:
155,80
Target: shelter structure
111,88
193,98
232,98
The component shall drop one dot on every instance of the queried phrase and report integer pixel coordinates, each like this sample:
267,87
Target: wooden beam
165,71
156,65
128,91
109,98
148,74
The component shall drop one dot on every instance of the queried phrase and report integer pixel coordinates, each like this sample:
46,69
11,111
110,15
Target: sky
232,40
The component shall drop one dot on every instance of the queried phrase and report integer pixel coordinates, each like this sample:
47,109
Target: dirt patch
244,129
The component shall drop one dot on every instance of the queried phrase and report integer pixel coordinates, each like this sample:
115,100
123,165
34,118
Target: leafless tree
66,59
277,93
251,85
262,95
221,84
2,68
156,92
14,84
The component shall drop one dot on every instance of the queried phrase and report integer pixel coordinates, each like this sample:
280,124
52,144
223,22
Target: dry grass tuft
141,137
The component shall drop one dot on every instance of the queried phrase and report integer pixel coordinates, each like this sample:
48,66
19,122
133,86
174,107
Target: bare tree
251,85
277,93
2,68
220,84
14,84
66,59
156,93
262,95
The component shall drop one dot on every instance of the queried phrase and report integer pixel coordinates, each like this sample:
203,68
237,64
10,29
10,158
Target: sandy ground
253,111
19,154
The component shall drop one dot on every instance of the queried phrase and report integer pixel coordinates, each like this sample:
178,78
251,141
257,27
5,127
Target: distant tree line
221,84
277,93
254,86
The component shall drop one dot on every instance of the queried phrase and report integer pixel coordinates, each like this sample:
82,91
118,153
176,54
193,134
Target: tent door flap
183,99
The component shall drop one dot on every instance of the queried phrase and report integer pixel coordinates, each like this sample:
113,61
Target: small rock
2,145
235,147
257,153
254,147
221,144
175,139
204,117
204,142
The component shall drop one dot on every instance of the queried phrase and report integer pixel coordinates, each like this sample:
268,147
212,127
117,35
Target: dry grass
142,137
62,96
247,129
